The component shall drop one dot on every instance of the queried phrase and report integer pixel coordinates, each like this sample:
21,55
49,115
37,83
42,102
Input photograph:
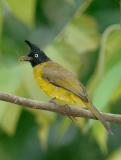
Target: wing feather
61,77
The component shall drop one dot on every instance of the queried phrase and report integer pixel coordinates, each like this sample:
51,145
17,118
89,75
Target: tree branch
56,108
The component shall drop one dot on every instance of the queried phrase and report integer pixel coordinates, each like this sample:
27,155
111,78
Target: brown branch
56,108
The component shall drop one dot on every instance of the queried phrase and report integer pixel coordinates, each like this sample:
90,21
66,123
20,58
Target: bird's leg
67,110
53,101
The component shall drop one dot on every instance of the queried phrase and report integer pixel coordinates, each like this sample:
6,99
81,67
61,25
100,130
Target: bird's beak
25,58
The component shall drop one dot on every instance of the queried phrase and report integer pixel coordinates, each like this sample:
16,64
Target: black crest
36,54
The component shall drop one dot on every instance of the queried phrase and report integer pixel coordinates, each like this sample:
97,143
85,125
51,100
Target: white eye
36,55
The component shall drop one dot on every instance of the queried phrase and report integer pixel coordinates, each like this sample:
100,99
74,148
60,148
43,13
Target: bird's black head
35,56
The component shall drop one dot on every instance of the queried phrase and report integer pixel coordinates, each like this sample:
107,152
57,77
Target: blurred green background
85,37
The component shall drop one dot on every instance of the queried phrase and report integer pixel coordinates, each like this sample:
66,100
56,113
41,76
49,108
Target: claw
53,101
67,110
73,119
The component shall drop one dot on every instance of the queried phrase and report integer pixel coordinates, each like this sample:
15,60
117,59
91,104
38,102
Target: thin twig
75,112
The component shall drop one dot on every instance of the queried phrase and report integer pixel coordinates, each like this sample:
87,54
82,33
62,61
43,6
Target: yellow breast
52,90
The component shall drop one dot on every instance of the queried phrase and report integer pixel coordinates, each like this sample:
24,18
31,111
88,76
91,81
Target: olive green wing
61,77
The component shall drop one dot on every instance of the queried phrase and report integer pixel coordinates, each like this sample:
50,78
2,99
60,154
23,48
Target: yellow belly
53,91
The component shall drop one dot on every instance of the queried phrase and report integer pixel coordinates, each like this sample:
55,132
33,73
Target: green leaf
9,82
12,46
82,30
25,13
105,13
9,119
116,155
108,54
51,18
1,19
107,86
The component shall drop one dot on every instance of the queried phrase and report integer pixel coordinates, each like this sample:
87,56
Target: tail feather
99,116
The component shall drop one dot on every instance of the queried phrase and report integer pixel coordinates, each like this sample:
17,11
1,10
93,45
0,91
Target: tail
99,116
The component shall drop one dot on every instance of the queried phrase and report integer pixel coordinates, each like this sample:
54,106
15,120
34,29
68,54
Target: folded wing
61,77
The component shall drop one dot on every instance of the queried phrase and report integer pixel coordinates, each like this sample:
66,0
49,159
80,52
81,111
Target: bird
59,83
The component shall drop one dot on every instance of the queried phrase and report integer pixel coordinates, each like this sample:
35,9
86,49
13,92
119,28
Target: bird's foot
53,101
67,109
73,119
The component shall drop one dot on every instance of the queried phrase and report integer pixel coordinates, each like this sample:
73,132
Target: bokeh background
85,37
